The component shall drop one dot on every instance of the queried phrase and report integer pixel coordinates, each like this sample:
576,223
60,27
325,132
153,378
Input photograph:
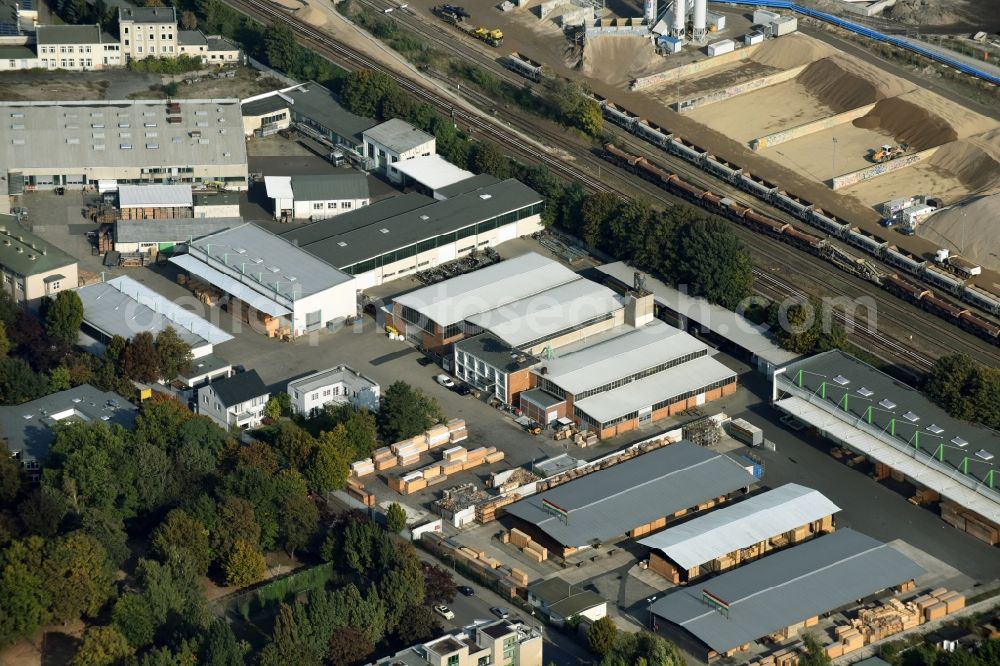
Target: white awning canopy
231,286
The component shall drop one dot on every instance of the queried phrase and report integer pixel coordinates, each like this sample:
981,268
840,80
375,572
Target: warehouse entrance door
645,414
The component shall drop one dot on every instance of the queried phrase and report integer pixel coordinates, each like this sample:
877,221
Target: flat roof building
720,540
396,141
492,642
129,141
402,235
629,497
736,333
272,276
560,600
124,307
338,385
718,616
317,197
429,175
155,196
164,235
894,425
32,268
29,428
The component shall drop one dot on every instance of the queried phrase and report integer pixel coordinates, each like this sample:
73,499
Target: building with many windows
148,32
31,267
395,141
316,197
76,48
338,385
494,643
234,402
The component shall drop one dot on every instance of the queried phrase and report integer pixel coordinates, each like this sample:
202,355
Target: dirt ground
924,178
968,229
780,106
65,87
247,83
813,155
731,74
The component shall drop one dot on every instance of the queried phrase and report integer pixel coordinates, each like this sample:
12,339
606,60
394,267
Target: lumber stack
530,548
969,522
456,430
487,511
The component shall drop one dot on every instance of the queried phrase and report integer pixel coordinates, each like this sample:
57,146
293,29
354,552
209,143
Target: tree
273,408
949,383
716,264
805,327
102,646
19,383
245,564
109,529
279,47
287,645
348,646
328,466
173,354
63,318
417,624
140,361
220,647
59,379
395,518
179,534
363,90
10,475
256,454
133,617
4,340
488,158
632,649
602,635
299,522
439,586
595,213
814,655
42,511
188,20
405,412
236,522
78,576
24,598
587,116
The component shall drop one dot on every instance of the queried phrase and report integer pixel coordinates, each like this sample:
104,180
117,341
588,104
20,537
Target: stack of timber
356,490
533,550
603,463
979,527
487,511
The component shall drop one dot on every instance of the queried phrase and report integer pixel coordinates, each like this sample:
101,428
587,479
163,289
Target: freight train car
981,299
979,326
943,280
828,223
653,133
790,203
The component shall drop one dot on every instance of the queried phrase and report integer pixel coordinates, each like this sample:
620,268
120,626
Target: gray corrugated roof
147,14
541,397
265,105
330,186
28,427
741,524
319,105
191,38
27,254
437,219
467,185
16,53
154,196
398,135
68,34
359,218
171,230
607,503
787,587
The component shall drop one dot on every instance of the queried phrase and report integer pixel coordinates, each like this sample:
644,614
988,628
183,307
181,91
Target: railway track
584,166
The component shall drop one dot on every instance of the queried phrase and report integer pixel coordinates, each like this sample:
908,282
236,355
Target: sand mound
969,228
790,51
924,119
975,161
929,12
619,59
846,83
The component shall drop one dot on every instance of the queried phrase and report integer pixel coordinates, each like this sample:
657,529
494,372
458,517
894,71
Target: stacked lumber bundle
882,471
437,436
533,550
585,439
455,453
969,522
363,468
925,496
384,458
456,430
487,511
408,451
360,494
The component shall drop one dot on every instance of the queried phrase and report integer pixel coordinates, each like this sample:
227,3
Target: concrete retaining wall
576,16
809,128
546,8
868,10
685,71
877,170
733,91
617,27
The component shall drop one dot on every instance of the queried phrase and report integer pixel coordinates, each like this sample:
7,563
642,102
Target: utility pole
834,158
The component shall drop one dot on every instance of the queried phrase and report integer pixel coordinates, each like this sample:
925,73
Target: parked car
501,613
445,381
444,612
463,389
466,590
425,360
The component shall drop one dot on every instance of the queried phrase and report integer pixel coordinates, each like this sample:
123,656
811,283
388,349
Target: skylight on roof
866,392
383,230
341,243
842,380
485,196
911,417
983,454
959,441
888,404
935,428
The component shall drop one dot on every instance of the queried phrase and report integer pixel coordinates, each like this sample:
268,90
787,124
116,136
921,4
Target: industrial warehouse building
740,532
631,497
734,333
535,334
780,594
316,197
404,234
270,280
396,141
124,307
76,144
430,175
32,268
150,202
906,435
164,235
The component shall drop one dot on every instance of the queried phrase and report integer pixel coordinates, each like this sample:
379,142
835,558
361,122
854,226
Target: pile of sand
968,228
791,51
844,83
617,59
975,161
929,12
924,120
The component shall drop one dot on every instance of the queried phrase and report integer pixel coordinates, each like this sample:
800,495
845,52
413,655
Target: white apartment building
496,643
76,48
340,384
234,401
394,141
148,32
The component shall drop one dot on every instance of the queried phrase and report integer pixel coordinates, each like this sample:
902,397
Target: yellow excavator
887,152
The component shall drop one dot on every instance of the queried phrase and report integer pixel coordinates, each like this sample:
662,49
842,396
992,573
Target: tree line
966,389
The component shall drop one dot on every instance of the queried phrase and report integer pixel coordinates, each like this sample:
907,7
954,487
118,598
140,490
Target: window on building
345,204
86,49
318,206
453,660
139,49
331,204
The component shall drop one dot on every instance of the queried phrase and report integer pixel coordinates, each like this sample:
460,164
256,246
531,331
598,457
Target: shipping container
746,432
720,47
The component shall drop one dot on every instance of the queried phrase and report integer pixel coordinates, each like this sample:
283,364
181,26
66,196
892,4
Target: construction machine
887,152
492,37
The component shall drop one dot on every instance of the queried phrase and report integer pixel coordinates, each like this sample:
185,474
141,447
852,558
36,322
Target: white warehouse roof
464,296
741,525
432,171
397,135
155,196
670,383
278,187
547,312
587,365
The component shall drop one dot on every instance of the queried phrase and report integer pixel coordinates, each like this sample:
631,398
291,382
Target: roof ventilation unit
842,380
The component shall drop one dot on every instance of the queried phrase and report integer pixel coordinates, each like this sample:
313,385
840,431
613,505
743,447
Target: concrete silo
677,26
698,28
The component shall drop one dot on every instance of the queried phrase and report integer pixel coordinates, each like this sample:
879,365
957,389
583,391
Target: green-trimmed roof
25,253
